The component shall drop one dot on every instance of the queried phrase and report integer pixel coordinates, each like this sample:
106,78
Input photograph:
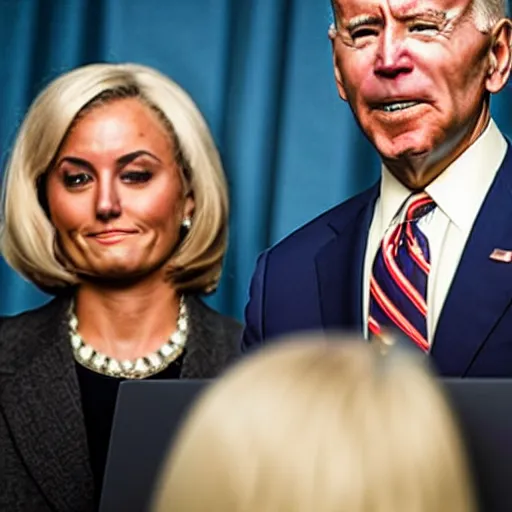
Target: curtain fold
261,73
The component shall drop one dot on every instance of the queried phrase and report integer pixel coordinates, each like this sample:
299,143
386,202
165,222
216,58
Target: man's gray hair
486,13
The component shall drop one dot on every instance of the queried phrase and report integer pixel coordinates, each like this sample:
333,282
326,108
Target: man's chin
403,148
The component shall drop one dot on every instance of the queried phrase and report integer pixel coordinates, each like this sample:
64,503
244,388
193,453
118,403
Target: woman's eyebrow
77,162
130,157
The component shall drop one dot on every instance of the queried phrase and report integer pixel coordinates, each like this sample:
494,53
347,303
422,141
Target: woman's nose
108,204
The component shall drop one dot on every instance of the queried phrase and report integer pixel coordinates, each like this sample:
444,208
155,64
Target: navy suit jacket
313,280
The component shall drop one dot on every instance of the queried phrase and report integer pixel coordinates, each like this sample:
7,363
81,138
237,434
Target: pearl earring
186,223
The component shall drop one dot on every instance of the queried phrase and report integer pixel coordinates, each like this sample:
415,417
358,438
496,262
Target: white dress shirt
458,192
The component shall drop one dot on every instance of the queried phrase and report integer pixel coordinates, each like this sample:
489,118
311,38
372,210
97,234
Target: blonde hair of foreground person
319,426
28,239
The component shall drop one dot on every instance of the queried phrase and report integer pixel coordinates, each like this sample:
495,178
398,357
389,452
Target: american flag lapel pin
501,255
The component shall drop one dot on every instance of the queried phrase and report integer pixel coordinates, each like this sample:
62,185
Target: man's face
413,71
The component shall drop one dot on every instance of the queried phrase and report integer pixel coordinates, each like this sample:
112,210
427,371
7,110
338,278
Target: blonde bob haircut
28,239
319,426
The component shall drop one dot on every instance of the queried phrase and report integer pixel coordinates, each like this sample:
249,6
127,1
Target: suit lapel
339,266
482,288
41,403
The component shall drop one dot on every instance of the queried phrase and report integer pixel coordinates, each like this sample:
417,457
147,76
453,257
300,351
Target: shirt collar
474,170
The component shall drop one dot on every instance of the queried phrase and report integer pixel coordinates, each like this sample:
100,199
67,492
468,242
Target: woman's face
115,194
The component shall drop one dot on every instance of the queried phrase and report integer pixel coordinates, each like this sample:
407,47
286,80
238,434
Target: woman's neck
126,323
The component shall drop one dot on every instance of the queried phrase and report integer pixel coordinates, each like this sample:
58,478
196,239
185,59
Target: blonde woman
319,426
115,202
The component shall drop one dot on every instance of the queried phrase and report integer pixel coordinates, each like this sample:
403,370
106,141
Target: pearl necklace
139,368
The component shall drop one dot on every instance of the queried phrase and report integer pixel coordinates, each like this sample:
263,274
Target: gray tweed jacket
44,460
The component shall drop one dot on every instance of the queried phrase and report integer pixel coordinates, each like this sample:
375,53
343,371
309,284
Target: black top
99,395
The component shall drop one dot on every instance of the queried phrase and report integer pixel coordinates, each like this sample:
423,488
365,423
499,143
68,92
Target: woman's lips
111,236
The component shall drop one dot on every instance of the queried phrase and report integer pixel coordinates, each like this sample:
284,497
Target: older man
428,249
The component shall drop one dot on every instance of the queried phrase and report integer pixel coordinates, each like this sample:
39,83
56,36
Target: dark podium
148,414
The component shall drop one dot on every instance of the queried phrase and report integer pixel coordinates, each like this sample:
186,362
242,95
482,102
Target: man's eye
363,32
424,28
74,180
136,176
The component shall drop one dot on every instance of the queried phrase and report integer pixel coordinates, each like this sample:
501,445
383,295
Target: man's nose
108,203
392,57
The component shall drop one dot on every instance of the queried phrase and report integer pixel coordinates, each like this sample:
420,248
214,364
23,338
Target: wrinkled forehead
348,9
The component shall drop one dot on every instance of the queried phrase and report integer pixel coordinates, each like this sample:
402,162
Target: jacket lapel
41,403
339,265
210,348
482,288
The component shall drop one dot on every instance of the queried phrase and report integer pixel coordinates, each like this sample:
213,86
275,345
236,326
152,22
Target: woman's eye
136,176
74,180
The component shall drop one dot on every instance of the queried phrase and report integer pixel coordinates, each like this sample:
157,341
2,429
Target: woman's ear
189,206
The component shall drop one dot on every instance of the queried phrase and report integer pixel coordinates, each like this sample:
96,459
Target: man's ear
339,80
333,36
500,56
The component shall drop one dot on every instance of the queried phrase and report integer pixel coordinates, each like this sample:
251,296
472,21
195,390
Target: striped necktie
398,284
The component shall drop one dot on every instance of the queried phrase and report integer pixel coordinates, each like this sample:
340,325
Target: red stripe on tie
403,283
373,325
415,252
420,201
396,316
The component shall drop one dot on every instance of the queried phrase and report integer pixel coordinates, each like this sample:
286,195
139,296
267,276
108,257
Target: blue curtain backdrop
261,72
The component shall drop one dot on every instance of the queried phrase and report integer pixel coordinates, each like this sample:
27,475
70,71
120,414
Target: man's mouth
397,106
